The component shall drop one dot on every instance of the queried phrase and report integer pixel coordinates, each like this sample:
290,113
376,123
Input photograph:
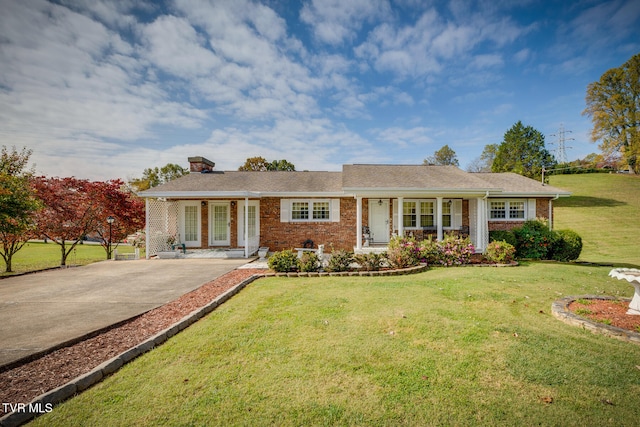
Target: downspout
358,222
551,211
246,227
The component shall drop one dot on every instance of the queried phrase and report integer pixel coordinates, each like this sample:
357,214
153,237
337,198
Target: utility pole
561,153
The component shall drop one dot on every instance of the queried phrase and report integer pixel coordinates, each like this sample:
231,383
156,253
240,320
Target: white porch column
246,227
482,236
147,227
401,216
358,223
439,223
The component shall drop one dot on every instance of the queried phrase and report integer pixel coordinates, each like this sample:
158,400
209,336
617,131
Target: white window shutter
395,215
284,210
335,210
457,214
531,209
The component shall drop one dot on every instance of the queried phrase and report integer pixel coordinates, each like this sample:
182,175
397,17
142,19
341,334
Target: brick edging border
560,310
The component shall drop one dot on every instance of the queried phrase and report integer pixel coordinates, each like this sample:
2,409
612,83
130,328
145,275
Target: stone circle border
560,310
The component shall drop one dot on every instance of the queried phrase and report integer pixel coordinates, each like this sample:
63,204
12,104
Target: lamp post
110,220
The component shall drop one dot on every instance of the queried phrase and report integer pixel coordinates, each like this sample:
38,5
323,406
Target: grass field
37,256
605,211
451,346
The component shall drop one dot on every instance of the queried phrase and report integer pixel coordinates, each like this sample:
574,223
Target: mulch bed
25,382
610,312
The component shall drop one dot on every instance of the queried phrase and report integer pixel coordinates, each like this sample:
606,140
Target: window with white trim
421,213
310,210
507,210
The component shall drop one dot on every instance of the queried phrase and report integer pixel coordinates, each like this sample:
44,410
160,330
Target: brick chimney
200,164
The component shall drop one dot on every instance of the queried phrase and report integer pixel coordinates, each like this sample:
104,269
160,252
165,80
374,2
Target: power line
561,153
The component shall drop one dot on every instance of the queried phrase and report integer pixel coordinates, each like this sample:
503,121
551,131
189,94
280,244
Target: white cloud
335,22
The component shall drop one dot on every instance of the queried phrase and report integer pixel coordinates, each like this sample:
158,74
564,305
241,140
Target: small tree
126,209
444,156
255,164
156,176
485,161
18,203
260,164
69,213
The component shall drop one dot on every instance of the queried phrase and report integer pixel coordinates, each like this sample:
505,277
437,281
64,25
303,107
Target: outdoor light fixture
380,202
233,203
203,204
110,220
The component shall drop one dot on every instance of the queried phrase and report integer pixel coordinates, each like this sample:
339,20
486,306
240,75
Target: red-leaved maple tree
75,208
125,208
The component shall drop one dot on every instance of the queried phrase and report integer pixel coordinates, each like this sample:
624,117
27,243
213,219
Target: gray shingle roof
352,179
410,177
517,184
261,182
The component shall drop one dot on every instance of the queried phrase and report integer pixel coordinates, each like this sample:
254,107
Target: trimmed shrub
283,261
340,261
502,235
455,250
567,246
309,262
372,261
429,251
500,252
534,239
403,252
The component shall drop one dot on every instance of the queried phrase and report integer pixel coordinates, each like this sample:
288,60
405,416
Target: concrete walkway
41,310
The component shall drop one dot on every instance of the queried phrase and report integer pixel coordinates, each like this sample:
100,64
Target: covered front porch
224,227
421,215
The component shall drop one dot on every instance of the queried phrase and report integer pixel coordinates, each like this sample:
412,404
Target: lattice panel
162,225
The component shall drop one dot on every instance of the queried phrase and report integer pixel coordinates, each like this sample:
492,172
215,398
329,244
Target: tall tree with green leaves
260,164
613,103
18,203
522,151
152,177
443,157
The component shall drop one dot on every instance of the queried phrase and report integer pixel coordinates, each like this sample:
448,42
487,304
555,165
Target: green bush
534,239
283,261
340,261
567,246
455,250
502,235
429,251
372,261
403,252
309,262
501,252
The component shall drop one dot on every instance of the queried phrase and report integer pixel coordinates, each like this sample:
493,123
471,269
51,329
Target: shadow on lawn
587,202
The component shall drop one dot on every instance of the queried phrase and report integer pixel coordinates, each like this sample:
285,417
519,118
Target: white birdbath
631,275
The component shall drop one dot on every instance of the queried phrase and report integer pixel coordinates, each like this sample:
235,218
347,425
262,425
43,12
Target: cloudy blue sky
103,89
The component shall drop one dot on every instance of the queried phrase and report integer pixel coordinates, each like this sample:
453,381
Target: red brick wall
286,235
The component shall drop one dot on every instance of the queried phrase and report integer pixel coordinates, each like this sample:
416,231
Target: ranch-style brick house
358,208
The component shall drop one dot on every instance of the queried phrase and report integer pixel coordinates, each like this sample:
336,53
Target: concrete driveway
41,310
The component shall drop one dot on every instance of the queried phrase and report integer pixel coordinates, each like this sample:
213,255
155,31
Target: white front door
189,224
253,227
219,224
379,220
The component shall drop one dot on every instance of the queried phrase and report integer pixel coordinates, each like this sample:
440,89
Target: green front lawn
451,346
37,256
